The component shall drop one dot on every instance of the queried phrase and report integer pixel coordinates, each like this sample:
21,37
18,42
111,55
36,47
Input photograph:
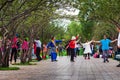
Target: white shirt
87,47
118,43
38,43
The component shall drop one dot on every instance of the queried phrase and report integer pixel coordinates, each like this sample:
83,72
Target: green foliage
98,9
105,29
9,68
104,12
73,29
87,29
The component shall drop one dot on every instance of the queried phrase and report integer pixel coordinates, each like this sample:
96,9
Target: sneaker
88,58
118,65
72,61
107,60
104,61
56,60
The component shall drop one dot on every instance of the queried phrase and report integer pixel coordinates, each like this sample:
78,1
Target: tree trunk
5,57
0,58
23,57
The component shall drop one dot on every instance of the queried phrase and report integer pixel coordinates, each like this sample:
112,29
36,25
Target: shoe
107,60
88,58
52,61
118,65
72,61
104,61
56,60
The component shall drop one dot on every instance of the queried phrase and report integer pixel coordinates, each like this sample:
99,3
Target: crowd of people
72,47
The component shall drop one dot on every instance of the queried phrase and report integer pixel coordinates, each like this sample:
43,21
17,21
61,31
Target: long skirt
53,54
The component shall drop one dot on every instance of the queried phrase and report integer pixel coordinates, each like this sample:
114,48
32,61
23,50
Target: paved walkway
93,69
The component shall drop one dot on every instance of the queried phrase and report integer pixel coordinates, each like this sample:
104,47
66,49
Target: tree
73,29
99,10
34,16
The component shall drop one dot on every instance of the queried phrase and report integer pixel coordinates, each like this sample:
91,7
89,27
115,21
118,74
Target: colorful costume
52,46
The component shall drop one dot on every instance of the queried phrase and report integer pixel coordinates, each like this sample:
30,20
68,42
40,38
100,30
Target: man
38,48
105,47
118,44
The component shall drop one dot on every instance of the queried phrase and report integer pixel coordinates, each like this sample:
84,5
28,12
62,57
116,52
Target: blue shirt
50,44
105,44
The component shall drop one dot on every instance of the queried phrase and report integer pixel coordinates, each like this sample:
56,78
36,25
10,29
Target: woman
53,48
87,50
72,46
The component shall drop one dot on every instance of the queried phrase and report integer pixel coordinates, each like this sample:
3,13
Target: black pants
68,51
14,53
38,53
87,55
72,53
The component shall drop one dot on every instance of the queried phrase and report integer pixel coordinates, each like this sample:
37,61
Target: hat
73,38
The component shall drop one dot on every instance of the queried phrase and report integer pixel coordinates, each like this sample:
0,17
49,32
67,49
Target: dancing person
87,50
53,48
72,44
105,47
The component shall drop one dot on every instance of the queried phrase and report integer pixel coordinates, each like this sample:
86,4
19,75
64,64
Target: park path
93,69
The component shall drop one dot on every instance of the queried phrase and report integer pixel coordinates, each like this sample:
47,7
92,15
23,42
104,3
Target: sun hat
73,38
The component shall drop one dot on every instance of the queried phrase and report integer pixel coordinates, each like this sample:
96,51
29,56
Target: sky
66,11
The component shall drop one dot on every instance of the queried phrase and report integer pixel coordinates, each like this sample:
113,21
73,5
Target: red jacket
73,43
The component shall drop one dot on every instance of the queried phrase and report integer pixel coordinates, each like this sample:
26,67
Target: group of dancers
105,42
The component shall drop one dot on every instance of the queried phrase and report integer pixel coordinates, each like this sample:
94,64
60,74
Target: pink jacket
25,45
14,42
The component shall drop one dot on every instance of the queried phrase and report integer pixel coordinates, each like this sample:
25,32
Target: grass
9,68
24,64
34,60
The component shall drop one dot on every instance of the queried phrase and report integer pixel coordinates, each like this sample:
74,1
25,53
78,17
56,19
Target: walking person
14,49
105,47
53,48
38,49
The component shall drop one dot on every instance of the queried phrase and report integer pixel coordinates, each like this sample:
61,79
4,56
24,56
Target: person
24,47
72,44
87,50
105,47
67,48
78,49
118,44
38,49
53,48
60,49
14,49
92,48
44,51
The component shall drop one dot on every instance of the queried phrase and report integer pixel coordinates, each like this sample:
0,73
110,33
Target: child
87,50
